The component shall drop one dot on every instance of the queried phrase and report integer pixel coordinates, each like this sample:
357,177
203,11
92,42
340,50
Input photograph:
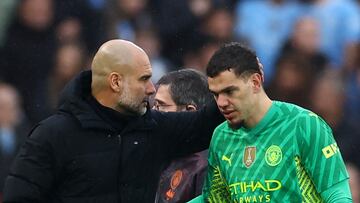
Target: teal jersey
289,156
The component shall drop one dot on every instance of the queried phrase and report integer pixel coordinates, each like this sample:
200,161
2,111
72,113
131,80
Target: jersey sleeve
339,193
215,188
319,153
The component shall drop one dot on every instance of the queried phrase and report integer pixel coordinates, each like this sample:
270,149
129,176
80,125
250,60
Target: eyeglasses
166,107
163,107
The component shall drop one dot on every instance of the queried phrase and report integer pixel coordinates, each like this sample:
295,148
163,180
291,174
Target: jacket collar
75,101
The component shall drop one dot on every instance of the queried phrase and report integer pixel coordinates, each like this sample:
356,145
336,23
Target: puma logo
224,158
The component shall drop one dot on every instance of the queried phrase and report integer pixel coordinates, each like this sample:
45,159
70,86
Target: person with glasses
177,91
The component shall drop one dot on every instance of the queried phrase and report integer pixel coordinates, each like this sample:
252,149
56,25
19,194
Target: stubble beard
130,104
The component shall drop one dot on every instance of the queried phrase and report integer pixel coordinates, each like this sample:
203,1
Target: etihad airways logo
330,150
251,186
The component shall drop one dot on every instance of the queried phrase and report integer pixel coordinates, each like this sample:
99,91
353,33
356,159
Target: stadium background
310,50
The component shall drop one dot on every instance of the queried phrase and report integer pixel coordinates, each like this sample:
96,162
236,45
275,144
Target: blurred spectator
351,73
199,56
122,17
69,61
148,39
6,13
178,23
13,128
354,182
339,22
219,24
293,80
97,4
265,25
80,20
328,101
27,55
305,41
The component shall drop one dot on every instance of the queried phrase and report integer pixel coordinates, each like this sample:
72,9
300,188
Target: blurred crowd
310,50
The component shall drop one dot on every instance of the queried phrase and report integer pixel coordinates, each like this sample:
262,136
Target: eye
229,92
145,78
216,95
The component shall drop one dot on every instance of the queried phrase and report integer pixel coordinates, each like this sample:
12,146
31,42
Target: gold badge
249,156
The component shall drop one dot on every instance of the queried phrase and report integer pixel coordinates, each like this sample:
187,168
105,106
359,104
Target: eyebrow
159,101
226,89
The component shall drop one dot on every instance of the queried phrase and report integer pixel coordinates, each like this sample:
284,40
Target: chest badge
273,155
174,183
249,156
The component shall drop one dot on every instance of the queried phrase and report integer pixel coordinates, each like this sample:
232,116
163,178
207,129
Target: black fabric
183,179
77,156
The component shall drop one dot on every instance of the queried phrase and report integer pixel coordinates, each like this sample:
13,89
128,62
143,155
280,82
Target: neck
258,111
104,99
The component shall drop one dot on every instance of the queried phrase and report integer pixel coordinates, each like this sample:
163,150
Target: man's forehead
163,94
222,80
143,69
223,76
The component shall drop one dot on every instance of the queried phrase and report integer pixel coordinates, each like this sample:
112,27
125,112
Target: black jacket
78,155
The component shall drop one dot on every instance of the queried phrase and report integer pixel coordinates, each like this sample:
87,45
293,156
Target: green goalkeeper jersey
289,156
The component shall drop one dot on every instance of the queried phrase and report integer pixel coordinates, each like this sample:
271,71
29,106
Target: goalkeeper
266,151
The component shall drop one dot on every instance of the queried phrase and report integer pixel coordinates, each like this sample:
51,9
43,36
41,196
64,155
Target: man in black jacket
105,144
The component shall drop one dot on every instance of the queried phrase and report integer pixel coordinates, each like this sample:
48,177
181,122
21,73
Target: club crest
273,155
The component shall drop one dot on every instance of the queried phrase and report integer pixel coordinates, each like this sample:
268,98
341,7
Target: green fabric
339,193
289,156
198,199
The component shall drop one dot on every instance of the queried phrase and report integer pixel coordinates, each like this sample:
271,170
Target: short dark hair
234,56
187,86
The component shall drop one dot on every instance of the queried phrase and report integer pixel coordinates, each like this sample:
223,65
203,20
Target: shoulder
222,128
53,126
292,111
303,118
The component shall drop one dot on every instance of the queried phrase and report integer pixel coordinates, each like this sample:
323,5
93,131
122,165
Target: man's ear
115,81
256,80
261,67
191,107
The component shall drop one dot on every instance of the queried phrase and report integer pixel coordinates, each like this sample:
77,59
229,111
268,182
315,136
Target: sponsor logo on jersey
249,156
254,191
254,198
330,150
227,159
273,155
174,183
252,186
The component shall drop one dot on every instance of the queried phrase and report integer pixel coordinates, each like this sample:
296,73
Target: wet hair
235,56
187,86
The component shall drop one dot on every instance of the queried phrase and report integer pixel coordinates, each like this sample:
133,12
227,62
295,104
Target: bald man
105,144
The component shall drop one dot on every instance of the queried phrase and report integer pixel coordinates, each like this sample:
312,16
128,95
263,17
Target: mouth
144,102
228,114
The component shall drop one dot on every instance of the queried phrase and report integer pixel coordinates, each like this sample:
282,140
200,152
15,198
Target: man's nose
222,101
150,88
